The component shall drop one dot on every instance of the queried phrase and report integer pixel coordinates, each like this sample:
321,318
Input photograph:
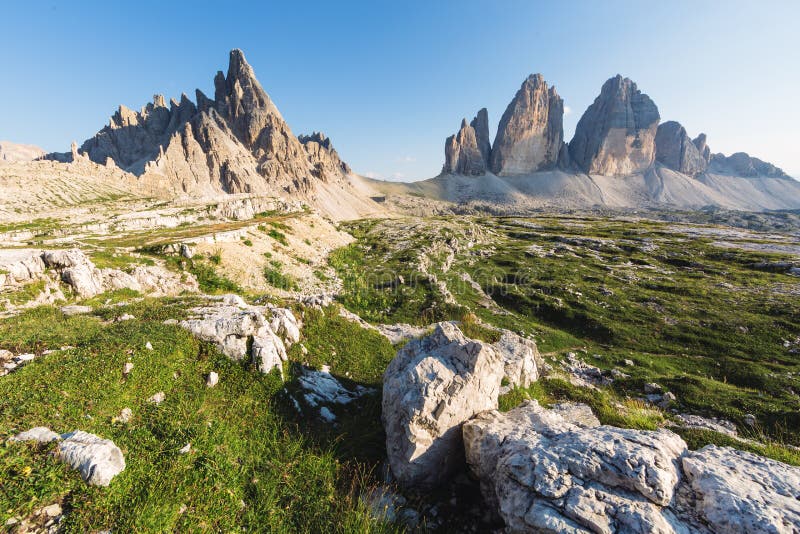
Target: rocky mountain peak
702,147
463,154
676,150
530,133
616,134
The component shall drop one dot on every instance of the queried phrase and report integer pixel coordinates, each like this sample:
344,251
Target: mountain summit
236,143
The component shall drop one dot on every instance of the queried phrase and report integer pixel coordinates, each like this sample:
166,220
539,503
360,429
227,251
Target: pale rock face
700,142
741,493
467,152
677,151
521,359
18,152
552,471
232,326
742,164
236,143
98,460
430,389
616,134
39,434
531,133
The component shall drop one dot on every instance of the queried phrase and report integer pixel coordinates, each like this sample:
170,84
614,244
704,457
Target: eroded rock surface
616,134
236,328
531,133
676,150
468,151
430,388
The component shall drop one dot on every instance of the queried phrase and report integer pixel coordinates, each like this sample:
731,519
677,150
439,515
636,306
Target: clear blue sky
388,81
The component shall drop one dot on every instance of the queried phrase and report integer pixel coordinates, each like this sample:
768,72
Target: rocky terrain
619,157
208,323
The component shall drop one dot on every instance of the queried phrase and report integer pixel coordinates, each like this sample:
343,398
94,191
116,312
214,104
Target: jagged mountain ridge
237,142
619,136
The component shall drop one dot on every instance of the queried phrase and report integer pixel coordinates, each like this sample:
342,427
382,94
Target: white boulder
98,460
430,389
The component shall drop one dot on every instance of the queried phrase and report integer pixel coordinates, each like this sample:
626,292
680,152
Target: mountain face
18,152
616,134
236,143
530,133
742,164
676,150
468,151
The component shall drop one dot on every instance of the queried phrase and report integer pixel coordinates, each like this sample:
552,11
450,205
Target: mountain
18,152
621,156
237,142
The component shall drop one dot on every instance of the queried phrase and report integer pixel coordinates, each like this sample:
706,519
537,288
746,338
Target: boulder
98,460
531,132
555,471
677,151
734,491
239,329
40,434
76,270
616,134
430,389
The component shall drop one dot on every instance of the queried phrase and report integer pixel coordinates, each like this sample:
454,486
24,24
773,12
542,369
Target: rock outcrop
237,142
616,134
530,134
239,329
468,151
86,280
430,388
559,470
742,164
701,144
676,150
741,493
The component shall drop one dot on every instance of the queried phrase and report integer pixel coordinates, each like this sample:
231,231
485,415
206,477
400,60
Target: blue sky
388,81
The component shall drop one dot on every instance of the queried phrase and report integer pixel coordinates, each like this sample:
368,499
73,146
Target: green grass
704,322
209,280
278,236
26,293
118,260
251,466
274,275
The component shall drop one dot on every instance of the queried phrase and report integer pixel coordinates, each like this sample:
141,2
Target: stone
401,332
521,359
186,449
531,132
547,471
127,368
157,398
750,419
53,510
705,423
676,150
652,388
98,460
463,154
148,346
431,387
212,379
736,491
76,270
235,327
39,434
124,416
75,309
616,134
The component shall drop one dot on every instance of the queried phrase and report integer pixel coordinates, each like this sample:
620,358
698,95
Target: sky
389,81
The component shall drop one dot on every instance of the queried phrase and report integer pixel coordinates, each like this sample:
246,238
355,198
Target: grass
26,293
278,236
706,323
209,280
110,259
251,466
274,275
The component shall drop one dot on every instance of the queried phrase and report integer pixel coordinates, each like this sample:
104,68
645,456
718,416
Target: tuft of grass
274,275
26,293
278,236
